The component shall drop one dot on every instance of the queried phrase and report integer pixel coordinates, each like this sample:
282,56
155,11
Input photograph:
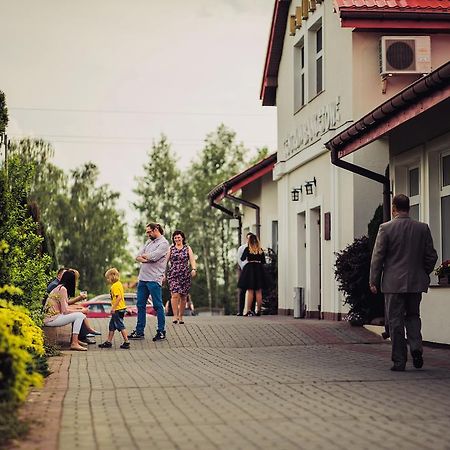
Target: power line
79,139
137,112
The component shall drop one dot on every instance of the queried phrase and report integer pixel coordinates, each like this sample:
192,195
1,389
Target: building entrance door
315,263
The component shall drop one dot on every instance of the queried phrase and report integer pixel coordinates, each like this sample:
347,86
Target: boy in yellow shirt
118,309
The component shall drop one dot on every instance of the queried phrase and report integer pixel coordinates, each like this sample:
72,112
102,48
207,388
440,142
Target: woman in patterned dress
179,274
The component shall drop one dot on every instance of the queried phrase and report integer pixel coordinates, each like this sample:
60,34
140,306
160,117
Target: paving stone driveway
254,383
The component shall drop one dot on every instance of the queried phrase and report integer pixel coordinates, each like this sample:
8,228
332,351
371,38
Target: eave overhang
242,179
274,51
415,99
395,14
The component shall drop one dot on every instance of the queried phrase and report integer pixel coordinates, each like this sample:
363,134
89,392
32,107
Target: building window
299,75
315,59
275,236
414,192
445,205
319,61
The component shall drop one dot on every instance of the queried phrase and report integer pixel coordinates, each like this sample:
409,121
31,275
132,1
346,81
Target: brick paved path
248,383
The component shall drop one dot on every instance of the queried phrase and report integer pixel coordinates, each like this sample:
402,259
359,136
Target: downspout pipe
229,213
383,179
250,205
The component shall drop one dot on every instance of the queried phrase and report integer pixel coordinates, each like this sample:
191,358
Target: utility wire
134,112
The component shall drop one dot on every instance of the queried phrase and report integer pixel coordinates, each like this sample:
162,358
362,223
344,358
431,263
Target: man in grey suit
403,258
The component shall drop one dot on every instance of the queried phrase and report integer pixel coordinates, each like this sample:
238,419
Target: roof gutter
426,92
228,212
250,205
383,179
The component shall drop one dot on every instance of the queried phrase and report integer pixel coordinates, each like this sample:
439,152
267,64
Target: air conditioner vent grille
400,55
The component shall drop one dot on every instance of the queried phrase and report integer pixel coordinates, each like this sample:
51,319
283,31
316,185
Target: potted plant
443,272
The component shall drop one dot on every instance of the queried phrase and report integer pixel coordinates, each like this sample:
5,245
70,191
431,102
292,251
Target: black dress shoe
417,359
398,368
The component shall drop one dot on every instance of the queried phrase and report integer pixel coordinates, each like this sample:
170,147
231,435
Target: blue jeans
144,289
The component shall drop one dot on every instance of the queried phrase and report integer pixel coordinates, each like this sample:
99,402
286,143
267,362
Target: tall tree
158,190
209,229
3,113
92,228
47,184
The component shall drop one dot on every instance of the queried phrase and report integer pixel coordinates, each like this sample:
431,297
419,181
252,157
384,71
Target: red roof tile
418,5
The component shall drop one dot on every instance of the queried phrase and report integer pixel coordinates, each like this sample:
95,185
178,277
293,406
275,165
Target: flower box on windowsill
444,280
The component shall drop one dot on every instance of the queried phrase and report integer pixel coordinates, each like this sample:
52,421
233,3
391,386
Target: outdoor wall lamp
309,185
295,193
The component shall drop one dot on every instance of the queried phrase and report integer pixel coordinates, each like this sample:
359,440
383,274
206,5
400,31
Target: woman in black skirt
252,278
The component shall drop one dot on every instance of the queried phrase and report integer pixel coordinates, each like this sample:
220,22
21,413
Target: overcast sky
101,79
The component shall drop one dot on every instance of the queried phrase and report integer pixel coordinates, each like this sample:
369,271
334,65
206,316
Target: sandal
78,348
174,321
181,322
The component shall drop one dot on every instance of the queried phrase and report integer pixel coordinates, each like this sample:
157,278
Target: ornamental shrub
21,352
352,269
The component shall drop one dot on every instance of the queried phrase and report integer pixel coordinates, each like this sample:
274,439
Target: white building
322,72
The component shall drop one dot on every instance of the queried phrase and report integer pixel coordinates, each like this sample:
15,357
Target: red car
100,306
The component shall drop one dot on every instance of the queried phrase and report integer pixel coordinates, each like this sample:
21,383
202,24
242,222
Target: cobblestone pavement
254,383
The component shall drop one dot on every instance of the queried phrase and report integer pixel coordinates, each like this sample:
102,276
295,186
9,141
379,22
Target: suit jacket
403,256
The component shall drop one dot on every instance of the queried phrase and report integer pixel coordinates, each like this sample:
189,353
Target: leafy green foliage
92,229
352,270
3,113
47,185
22,263
208,229
159,189
10,425
179,200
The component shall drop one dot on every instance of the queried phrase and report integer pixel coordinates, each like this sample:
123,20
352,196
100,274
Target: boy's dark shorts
116,322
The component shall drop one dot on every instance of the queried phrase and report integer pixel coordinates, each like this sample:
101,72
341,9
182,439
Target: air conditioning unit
405,54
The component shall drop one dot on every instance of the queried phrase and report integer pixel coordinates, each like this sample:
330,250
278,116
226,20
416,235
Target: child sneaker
125,345
105,344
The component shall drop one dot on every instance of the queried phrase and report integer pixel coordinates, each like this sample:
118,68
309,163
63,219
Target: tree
159,190
47,184
3,113
92,229
210,234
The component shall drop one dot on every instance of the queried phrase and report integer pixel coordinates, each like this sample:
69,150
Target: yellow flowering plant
21,347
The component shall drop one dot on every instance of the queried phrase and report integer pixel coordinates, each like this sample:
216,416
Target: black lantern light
295,193
310,185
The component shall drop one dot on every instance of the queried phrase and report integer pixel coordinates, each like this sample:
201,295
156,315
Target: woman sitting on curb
57,312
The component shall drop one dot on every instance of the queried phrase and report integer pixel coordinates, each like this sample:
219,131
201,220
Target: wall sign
310,131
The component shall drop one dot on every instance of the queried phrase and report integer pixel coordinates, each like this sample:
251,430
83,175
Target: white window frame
444,191
414,200
319,55
300,89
